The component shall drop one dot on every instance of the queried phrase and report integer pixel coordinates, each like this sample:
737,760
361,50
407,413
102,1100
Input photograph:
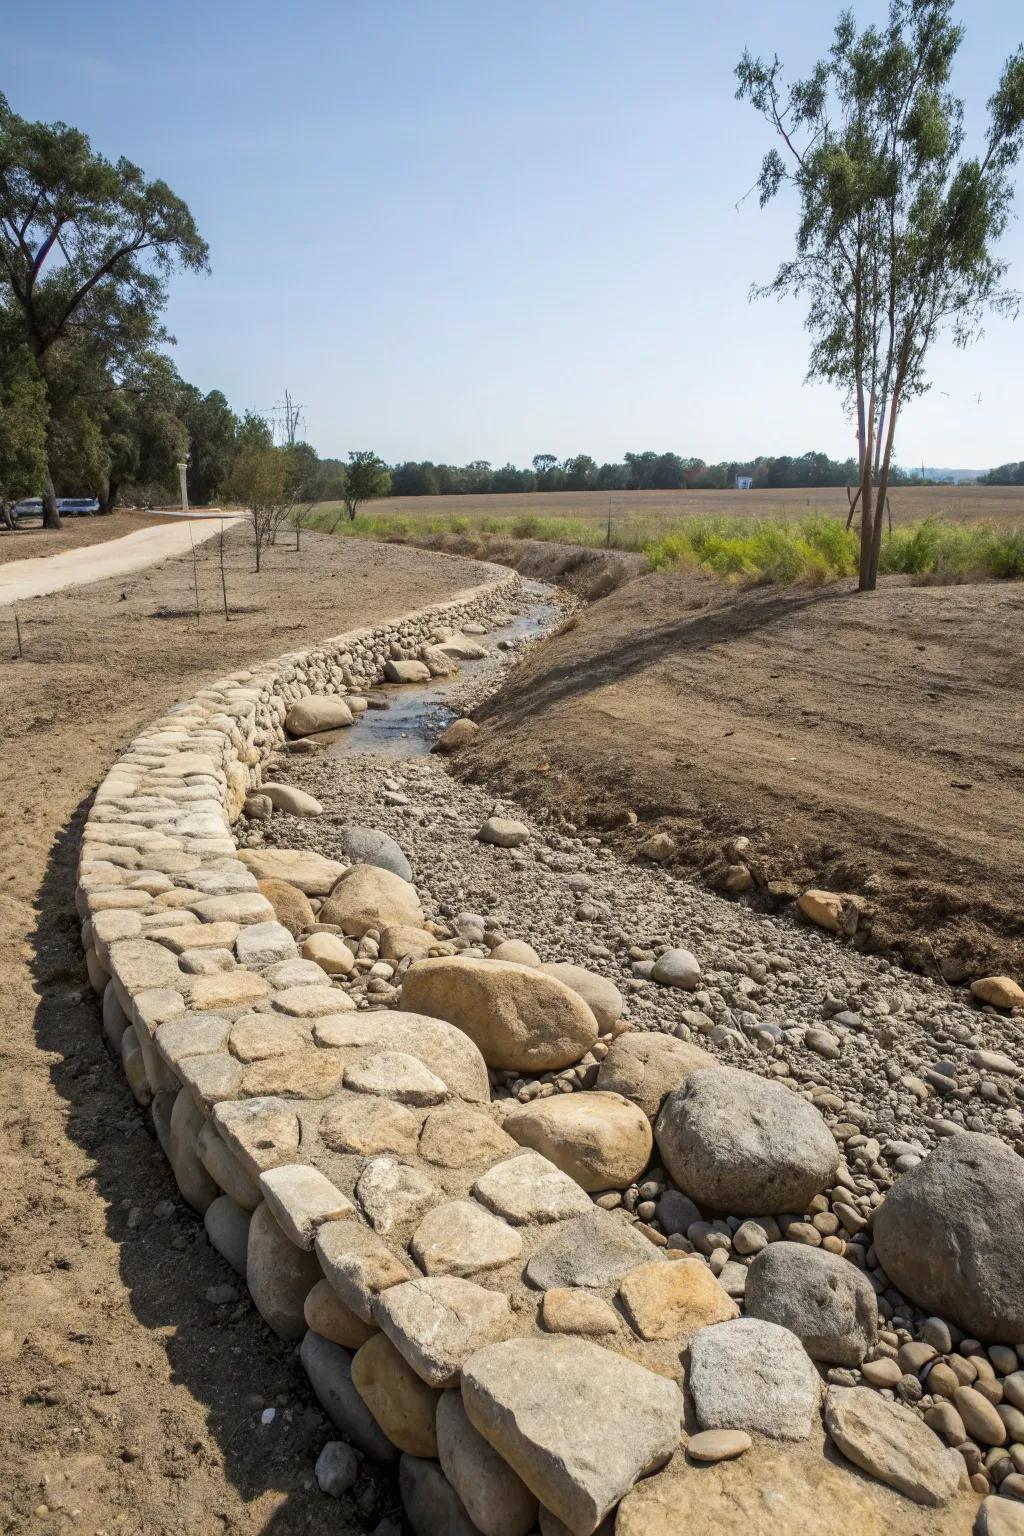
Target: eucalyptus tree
87,246
899,220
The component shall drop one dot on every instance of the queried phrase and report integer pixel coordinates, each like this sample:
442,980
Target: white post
182,467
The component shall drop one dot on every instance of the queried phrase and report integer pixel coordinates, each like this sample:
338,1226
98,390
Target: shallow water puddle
417,713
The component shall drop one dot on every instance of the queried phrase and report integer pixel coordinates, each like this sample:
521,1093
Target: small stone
677,968
594,1250
565,1310
882,1372
358,1265
980,1417
329,952
295,802
337,1468
262,944
327,1314
718,1444
503,833
397,1076
1000,991
393,1196
999,1517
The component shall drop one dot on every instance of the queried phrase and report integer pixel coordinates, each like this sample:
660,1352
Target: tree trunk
108,501
867,506
353,507
51,517
883,486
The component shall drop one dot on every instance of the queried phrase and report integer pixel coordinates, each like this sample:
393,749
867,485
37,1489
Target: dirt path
873,744
117,1397
24,579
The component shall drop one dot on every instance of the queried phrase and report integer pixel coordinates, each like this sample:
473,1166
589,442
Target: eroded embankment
868,744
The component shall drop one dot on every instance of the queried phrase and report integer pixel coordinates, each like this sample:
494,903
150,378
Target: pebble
718,1444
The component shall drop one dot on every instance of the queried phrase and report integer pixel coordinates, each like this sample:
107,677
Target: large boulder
577,1423
646,1067
743,1144
599,1139
368,896
601,996
520,1020
950,1235
317,713
826,1301
365,845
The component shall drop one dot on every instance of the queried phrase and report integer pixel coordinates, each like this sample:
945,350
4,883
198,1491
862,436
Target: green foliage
212,428
898,221
366,479
23,421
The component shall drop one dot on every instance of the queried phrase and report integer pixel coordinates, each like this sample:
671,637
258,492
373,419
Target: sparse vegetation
748,551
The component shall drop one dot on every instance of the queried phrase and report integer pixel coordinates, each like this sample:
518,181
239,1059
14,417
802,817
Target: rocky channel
594,1201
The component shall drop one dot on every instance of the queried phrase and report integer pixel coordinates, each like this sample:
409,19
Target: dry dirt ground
32,539
869,743
126,1392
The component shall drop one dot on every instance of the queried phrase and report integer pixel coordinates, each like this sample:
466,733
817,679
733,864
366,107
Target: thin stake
195,573
223,583
17,627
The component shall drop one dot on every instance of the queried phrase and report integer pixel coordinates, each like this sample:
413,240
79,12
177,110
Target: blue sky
468,229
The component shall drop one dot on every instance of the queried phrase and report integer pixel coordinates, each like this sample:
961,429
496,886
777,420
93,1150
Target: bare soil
126,1393
30,540
872,744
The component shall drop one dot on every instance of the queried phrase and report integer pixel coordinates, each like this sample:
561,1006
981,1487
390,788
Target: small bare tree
258,481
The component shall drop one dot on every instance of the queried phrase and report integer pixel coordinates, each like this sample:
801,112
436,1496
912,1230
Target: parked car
77,506
29,509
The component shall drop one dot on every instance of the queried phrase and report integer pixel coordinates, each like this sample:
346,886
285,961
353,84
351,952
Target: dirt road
117,1393
21,580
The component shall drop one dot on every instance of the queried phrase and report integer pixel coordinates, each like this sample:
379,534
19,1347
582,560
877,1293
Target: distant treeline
647,471
1004,474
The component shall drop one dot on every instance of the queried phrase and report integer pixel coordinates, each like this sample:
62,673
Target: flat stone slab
889,1441
461,1238
358,1265
303,1200
311,873
312,1002
393,1196
594,1250
261,1132
397,1076
366,1125
674,1300
262,944
529,1188
577,1423
438,1323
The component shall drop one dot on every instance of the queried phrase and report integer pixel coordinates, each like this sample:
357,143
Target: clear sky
464,229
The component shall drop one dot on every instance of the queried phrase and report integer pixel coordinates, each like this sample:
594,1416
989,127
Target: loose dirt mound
864,743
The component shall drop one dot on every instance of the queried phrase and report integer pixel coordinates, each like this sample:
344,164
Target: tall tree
898,223
86,245
23,420
366,478
212,428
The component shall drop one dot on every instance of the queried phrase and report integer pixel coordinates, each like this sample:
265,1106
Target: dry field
959,503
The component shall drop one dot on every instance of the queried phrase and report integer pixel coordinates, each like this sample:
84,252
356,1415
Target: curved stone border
350,1164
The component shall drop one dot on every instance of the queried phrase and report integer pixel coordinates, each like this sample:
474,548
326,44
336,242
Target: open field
960,503
768,542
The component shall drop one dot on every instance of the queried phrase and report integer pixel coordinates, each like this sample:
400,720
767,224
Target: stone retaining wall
463,1306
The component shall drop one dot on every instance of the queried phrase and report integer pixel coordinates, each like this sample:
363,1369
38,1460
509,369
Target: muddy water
417,713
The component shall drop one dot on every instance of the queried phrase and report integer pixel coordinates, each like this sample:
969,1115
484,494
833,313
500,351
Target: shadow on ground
221,1354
